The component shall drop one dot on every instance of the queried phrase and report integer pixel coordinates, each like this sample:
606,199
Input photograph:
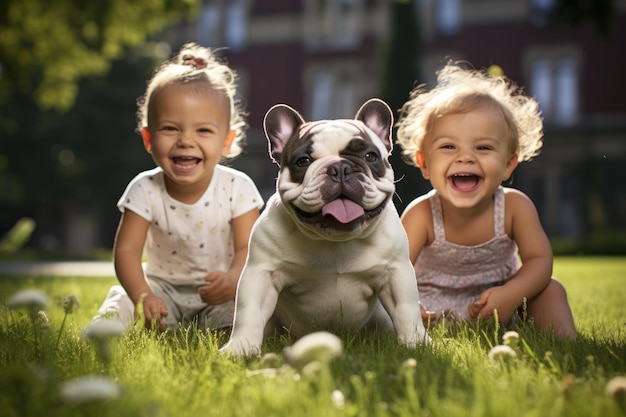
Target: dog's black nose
340,171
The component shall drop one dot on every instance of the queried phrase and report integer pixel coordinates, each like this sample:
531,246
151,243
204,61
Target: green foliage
16,237
58,162
400,75
180,373
598,242
47,47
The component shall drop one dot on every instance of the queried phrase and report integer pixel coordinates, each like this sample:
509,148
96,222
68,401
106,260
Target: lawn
181,374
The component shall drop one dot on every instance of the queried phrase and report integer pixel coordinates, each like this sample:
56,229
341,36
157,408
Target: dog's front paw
240,349
419,338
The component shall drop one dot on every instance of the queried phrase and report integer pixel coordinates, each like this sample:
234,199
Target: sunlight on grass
180,373
597,293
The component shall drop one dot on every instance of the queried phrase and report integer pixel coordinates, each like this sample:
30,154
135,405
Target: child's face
188,133
467,156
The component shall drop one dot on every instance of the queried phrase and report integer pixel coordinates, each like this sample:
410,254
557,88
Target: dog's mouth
340,214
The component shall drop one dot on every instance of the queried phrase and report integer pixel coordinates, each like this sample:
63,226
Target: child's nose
465,156
184,140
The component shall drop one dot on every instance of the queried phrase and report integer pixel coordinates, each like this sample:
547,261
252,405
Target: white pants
183,303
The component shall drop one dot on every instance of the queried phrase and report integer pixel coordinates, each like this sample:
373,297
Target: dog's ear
281,122
377,115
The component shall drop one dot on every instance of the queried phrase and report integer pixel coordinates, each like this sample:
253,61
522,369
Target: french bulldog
329,251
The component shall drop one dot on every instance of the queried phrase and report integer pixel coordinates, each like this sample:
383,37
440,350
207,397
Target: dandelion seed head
338,399
270,360
616,388
32,299
510,338
502,352
42,318
70,303
410,363
104,329
320,346
90,388
312,370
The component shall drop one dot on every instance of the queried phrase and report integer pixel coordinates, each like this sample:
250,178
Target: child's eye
168,128
205,131
485,148
447,146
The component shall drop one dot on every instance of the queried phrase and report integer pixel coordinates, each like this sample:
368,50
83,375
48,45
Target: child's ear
511,164
147,140
230,138
421,163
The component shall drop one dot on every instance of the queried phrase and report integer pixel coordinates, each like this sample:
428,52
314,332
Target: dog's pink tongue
343,210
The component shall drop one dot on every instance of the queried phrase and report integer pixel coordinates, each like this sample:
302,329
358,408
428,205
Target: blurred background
71,71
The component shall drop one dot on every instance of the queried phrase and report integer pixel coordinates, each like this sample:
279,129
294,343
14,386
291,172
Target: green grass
180,373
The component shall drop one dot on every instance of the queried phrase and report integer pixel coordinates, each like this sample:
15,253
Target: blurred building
324,59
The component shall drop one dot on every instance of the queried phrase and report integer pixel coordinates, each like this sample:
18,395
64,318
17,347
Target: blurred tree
78,160
400,75
47,47
70,73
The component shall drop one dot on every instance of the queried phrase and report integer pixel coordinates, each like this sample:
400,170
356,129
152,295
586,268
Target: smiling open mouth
464,181
185,163
340,214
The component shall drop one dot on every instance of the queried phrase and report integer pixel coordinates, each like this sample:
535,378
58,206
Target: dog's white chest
342,302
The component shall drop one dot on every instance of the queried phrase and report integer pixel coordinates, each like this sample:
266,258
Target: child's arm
417,221
128,251
222,285
536,256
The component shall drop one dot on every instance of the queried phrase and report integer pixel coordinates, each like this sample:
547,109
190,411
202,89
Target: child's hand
219,289
496,298
429,318
154,309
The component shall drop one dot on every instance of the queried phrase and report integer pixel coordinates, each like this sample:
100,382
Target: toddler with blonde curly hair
478,248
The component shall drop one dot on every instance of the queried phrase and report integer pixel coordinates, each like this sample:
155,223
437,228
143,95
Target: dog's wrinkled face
335,178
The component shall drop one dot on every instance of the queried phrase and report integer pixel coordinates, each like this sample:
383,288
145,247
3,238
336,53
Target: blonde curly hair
195,63
461,89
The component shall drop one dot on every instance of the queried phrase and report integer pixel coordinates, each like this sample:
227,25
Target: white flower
90,388
32,299
319,346
407,367
271,360
502,352
616,387
104,329
338,399
409,364
511,338
312,370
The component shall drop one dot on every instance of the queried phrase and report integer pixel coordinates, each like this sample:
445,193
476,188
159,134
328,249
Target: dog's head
335,178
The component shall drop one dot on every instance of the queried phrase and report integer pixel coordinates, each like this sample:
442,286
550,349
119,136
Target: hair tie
197,63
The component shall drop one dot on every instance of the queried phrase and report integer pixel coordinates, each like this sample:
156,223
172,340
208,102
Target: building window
566,87
235,25
322,90
223,24
333,24
540,11
207,32
554,84
448,16
333,95
541,85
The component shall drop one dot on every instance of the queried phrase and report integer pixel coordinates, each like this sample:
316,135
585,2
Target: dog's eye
303,162
371,157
